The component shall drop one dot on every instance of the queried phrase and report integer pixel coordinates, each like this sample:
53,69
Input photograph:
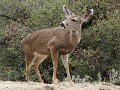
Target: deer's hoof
55,81
42,82
72,83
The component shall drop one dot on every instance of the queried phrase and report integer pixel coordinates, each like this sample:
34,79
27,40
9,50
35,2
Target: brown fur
52,41
64,40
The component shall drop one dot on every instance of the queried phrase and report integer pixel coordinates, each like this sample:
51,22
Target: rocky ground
10,85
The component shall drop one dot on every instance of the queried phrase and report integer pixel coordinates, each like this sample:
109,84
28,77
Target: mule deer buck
54,41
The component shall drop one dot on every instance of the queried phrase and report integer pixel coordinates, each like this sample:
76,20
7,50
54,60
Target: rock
11,85
48,88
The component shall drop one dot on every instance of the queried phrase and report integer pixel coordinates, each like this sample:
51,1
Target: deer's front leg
66,65
54,55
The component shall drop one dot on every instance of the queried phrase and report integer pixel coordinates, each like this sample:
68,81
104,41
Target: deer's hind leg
38,59
29,61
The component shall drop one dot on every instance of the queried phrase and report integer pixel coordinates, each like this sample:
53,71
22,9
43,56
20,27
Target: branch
11,18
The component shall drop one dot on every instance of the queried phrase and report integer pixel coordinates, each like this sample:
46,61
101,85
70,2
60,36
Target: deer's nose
62,25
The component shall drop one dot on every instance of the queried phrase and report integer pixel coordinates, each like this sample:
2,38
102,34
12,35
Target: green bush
98,51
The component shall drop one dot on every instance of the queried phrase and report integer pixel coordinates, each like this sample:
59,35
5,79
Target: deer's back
40,41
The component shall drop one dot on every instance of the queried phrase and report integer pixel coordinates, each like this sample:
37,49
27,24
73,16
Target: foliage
98,51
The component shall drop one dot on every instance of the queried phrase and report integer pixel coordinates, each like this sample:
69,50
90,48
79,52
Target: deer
54,41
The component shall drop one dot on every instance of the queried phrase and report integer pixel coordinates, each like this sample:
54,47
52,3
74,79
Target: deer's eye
73,20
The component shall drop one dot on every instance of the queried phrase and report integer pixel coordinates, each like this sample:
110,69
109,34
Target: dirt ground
10,85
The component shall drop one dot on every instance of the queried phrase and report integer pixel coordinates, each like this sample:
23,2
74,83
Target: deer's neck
75,36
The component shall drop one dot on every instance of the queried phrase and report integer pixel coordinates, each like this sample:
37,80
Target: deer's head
73,20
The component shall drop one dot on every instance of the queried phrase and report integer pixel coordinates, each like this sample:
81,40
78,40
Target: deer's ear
87,15
67,12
